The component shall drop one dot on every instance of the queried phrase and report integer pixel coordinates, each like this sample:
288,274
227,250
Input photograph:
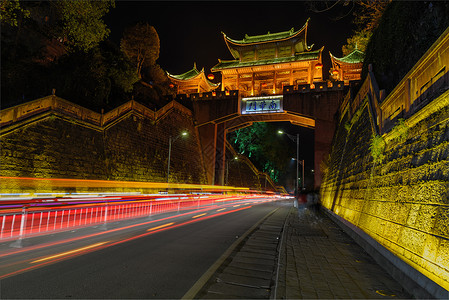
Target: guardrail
48,216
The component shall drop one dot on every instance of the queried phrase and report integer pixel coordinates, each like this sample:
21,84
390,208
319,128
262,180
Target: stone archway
216,114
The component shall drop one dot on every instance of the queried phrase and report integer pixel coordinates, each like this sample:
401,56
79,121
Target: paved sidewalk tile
319,261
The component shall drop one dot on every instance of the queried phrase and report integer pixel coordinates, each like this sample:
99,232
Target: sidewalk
300,254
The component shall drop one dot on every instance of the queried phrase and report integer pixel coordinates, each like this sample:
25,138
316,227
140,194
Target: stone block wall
400,198
134,147
53,147
241,174
137,149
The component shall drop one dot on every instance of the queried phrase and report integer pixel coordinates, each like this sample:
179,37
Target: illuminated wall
131,146
388,172
400,198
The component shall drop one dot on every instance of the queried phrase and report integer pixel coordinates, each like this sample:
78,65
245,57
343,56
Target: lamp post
227,168
170,141
296,139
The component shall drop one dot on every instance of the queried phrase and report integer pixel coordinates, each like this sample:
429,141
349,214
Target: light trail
65,255
197,216
161,226
68,252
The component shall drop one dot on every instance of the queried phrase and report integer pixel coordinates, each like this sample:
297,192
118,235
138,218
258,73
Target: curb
200,283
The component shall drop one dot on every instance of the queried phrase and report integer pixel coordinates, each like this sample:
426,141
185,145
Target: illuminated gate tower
192,81
348,68
264,64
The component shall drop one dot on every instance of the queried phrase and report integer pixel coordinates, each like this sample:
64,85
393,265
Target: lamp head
280,132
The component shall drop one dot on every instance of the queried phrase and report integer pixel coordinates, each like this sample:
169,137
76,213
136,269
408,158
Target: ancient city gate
217,113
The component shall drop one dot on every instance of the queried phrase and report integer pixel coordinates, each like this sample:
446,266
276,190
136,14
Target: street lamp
170,141
227,168
296,139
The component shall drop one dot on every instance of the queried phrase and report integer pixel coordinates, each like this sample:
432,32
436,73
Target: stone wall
137,149
53,147
399,196
388,172
133,146
241,172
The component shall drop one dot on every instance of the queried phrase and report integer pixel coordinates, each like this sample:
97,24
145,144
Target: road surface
159,259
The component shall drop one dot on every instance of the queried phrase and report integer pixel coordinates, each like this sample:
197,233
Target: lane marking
197,216
161,226
153,230
385,294
68,252
221,209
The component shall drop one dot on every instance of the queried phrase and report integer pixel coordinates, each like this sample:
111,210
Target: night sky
191,32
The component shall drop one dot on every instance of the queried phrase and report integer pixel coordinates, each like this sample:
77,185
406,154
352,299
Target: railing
20,221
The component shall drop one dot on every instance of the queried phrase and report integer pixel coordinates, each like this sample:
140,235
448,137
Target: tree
82,25
12,11
141,44
262,145
359,40
367,17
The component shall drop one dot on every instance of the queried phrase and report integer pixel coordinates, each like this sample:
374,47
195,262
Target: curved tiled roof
192,74
354,57
187,75
230,64
233,45
269,37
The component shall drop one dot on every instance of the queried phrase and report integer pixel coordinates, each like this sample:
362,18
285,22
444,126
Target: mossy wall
132,148
137,149
53,147
401,198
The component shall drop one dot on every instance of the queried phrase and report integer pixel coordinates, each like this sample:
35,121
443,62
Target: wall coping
380,104
54,103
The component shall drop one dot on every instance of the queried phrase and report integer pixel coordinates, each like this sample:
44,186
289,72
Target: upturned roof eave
345,59
242,43
181,77
229,42
261,63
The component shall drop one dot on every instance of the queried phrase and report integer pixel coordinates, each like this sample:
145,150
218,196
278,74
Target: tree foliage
377,147
11,11
409,29
359,40
82,23
367,15
268,151
141,44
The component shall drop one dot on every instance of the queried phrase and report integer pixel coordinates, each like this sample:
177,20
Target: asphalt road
161,265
